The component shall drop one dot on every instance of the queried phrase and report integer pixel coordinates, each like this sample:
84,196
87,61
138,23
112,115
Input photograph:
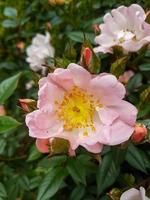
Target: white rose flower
39,50
134,194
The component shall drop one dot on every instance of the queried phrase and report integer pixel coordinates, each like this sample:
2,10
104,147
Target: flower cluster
87,109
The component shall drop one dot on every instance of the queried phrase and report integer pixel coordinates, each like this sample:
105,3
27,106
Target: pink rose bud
125,77
87,56
20,45
2,110
140,133
59,2
27,104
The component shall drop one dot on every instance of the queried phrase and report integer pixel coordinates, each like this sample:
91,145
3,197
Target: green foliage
7,123
7,87
51,183
27,174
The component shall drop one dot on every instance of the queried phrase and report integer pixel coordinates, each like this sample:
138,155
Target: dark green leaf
8,23
107,173
118,67
73,167
51,183
78,193
7,123
135,158
10,12
52,161
7,87
79,36
34,154
2,191
145,67
134,82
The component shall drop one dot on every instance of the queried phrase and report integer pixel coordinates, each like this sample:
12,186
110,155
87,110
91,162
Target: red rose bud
86,57
140,133
27,104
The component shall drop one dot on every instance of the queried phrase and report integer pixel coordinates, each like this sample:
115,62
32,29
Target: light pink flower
124,26
39,51
134,194
84,109
125,77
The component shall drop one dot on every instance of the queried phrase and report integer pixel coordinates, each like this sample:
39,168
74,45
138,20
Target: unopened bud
125,77
87,56
20,45
140,133
48,25
59,2
2,110
115,194
27,104
96,28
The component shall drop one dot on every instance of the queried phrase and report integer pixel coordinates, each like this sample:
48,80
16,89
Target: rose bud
27,104
125,77
54,146
140,133
87,56
20,45
59,2
96,28
2,110
115,194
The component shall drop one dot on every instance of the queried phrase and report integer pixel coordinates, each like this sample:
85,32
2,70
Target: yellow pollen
77,109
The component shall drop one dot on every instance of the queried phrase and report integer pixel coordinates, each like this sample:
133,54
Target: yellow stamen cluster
77,110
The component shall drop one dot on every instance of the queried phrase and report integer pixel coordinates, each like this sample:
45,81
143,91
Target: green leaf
146,122
78,36
135,158
118,67
51,183
3,144
145,67
8,23
7,87
34,154
7,123
2,191
54,161
78,193
73,167
10,12
107,173
134,82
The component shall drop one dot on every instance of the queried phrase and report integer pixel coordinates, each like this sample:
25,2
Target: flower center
123,36
77,110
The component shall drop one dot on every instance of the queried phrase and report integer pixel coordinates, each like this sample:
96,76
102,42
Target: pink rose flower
124,26
85,109
134,194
